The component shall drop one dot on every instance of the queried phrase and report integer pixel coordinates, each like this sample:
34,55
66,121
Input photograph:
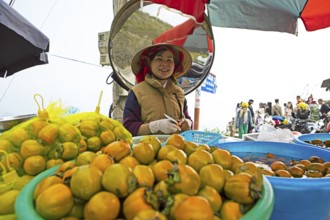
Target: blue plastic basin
295,198
309,137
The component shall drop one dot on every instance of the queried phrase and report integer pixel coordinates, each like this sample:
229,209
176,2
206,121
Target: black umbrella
22,45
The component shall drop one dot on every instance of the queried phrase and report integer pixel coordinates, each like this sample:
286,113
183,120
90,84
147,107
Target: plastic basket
309,137
201,137
292,194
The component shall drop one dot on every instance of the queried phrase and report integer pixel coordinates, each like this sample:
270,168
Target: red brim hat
182,57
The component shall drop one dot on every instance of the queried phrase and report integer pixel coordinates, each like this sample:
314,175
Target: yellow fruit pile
181,180
41,143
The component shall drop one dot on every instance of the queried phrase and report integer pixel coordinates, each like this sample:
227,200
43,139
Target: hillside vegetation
138,32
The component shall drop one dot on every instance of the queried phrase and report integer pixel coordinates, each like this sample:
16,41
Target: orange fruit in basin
194,207
222,157
199,158
54,202
278,165
283,173
144,153
103,205
176,140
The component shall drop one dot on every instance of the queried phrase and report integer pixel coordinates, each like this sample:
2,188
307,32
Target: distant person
261,108
298,98
277,109
303,112
324,109
238,106
289,114
310,100
268,108
251,125
243,119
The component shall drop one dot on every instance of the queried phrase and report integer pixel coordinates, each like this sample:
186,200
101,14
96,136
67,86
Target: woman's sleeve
185,110
132,114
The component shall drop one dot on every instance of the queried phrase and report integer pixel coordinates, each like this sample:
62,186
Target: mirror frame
119,20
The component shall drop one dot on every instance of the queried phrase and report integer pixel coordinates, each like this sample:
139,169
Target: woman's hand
185,124
164,125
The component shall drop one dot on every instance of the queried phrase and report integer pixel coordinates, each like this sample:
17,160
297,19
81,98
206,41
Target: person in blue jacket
243,119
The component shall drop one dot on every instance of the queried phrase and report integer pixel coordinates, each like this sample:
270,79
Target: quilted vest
155,100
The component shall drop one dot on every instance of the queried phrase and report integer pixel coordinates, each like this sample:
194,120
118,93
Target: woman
157,69
289,113
243,119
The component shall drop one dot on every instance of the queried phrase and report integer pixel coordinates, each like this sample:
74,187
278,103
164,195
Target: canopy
264,15
189,35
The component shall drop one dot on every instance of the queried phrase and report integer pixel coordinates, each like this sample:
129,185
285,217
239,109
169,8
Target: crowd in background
248,120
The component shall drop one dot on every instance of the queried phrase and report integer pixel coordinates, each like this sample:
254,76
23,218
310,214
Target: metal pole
197,108
119,94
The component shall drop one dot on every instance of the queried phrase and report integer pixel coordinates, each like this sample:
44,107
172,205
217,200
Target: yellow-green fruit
36,125
88,128
34,165
48,134
14,160
7,202
212,196
17,136
117,150
213,175
119,179
144,153
153,140
106,124
68,132
94,144
22,181
8,217
32,148
54,202
122,134
6,146
86,181
85,158
103,205
70,150
107,137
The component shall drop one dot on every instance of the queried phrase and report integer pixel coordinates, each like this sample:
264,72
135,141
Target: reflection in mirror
135,27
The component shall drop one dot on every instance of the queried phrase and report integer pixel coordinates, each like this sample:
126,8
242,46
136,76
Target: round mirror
139,24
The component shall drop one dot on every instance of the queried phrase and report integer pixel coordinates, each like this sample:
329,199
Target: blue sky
248,64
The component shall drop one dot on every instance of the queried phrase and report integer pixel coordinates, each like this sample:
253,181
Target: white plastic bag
269,133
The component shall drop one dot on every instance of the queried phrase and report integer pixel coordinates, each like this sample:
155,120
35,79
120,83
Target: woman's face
162,65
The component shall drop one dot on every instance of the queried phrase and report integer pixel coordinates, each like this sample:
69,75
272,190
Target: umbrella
188,34
22,45
264,15
326,84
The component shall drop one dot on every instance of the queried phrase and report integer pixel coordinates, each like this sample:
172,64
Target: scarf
244,111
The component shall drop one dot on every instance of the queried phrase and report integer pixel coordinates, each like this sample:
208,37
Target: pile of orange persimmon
320,143
313,167
179,180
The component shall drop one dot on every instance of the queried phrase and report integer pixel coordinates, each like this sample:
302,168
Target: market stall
57,164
